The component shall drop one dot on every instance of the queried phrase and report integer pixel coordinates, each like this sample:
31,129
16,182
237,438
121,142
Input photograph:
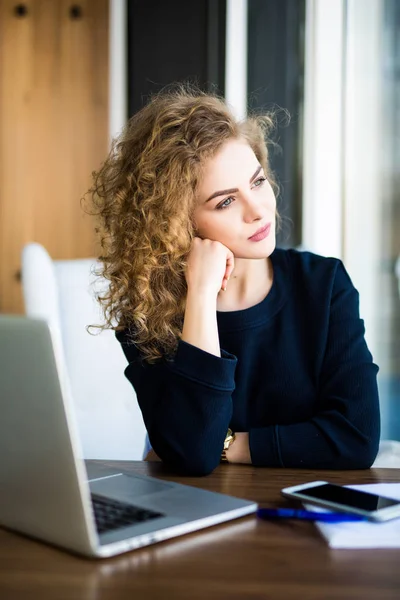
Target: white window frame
342,137
323,127
235,62
118,76
236,57
362,144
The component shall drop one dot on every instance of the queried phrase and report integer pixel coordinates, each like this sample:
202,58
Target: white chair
62,292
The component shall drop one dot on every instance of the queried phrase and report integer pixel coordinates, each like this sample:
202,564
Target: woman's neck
249,284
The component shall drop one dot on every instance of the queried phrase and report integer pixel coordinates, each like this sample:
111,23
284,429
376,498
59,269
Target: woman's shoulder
302,263
311,271
126,338
306,259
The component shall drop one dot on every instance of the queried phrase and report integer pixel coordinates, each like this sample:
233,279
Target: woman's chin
261,249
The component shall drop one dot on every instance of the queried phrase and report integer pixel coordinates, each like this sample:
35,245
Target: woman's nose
252,209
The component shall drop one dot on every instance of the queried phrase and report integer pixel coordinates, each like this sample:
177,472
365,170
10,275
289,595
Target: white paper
364,534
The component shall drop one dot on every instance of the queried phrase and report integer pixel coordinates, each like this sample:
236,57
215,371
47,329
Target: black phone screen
348,497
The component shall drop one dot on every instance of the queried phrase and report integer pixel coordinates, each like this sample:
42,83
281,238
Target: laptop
45,491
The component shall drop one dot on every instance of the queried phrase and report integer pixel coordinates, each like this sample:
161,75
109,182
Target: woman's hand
239,451
209,266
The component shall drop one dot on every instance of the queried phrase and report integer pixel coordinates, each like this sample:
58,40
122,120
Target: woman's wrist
200,327
201,294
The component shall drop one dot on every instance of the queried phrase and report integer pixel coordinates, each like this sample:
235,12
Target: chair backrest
63,292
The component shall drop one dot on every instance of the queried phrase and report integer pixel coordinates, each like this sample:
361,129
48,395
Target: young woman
238,351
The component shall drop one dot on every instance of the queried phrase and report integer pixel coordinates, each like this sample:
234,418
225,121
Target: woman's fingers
230,265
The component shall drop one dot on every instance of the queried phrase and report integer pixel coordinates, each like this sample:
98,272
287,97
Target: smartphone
343,499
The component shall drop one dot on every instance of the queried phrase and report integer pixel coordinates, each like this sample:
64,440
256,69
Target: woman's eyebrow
233,190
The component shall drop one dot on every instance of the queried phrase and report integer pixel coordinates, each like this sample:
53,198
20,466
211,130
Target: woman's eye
224,205
259,181
228,201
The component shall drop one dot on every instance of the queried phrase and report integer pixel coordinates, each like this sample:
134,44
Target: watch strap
229,439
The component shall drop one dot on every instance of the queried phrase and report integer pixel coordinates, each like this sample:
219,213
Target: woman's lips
261,234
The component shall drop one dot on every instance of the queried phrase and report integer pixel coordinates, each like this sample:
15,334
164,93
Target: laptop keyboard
112,514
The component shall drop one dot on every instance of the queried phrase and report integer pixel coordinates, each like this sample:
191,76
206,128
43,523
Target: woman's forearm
200,323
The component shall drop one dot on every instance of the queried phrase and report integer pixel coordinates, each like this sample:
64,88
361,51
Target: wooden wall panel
53,129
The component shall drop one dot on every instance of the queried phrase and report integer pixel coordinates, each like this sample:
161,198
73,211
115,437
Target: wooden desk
239,560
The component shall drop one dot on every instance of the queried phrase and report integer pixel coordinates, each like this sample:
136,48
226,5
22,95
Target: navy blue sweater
295,372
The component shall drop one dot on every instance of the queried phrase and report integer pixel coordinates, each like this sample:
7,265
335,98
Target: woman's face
235,200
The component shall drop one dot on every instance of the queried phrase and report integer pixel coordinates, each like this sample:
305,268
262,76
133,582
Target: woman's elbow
369,455
361,456
191,464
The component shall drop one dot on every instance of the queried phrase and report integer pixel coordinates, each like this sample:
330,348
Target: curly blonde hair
144,195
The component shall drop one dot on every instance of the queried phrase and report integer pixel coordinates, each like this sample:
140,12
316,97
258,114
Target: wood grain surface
242,559
53,129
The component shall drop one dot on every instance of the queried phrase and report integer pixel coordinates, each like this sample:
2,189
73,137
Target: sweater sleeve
344,432
186,404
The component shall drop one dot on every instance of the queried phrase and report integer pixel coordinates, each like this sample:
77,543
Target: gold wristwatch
229,439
